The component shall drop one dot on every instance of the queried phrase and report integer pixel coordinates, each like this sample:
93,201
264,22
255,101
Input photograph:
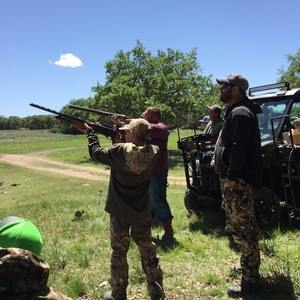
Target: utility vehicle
281,159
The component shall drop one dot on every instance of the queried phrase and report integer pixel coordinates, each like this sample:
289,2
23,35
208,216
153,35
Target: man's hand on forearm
115,119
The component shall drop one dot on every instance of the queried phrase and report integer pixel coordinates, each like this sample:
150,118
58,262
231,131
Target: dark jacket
238,154
131,169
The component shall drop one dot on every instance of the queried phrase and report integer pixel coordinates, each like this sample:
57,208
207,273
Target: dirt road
36,162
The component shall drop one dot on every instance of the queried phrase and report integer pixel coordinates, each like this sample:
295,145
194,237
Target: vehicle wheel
191,202
267,213
195,203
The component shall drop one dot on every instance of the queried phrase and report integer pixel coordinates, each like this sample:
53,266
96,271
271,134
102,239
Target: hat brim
212,108
222,80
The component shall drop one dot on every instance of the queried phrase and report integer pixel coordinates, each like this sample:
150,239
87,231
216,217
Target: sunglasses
225,85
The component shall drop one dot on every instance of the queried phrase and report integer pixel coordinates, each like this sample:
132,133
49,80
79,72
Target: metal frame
289,158
266,87
200,176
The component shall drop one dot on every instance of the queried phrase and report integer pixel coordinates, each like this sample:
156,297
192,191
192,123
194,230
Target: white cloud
68,60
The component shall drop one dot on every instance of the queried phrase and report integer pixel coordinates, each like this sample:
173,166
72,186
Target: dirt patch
34,162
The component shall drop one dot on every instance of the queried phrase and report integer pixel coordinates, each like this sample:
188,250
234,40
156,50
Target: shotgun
102,129
100,112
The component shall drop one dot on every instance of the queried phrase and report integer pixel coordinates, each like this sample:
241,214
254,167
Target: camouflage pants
120,239
239,206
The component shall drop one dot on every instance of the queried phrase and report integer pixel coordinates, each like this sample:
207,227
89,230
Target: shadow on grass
276,287
164,245
209,222
175,159
214,223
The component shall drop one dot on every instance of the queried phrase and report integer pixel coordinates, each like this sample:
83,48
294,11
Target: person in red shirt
160,207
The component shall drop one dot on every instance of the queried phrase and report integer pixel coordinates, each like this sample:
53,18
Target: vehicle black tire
191,202
267,210
198,203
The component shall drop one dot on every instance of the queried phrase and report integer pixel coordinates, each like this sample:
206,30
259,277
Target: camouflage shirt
24,275
131,169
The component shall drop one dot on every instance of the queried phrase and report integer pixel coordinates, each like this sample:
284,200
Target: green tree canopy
3,122
67,128
40,122
292,74
13,122
170,80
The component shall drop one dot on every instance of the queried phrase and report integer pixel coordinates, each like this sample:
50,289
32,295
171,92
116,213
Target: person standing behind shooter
128,204
238,161
216,121
158,185
204,122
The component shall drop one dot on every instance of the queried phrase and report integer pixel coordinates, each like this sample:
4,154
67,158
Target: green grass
196,265
22,141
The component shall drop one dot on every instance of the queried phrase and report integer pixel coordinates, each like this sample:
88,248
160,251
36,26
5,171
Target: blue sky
54,51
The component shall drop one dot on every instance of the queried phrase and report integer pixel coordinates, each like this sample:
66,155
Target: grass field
195,265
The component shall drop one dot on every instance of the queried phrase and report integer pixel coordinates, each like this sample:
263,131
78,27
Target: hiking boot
242,289
108,296
169,234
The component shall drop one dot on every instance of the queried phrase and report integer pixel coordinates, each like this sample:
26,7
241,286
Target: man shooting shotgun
75,121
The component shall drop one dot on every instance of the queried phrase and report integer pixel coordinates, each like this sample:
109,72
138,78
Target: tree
292,74
13,122
39,122
170,81
3,122
67,128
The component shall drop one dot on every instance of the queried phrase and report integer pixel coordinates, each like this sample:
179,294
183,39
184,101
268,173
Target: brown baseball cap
235,79
140,127
215,108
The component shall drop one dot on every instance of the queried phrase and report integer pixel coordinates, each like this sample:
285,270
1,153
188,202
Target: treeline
49,121
31,122
36,122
